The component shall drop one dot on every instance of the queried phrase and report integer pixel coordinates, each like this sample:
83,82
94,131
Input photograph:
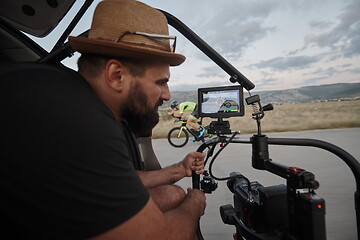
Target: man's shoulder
41,77
47,88
38,69
33,74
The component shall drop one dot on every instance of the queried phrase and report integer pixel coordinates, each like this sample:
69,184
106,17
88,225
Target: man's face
146,94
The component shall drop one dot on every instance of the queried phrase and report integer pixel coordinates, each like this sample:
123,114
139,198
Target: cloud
328,72
194,87
267,83
241,24
346,65
355,70
277,43
211,72
315,24
312,81
286,63
345,37
246,34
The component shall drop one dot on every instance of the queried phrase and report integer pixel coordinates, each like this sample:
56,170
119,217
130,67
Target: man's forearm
167,175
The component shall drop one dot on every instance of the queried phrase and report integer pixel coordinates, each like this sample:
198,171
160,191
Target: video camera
261,208
292,211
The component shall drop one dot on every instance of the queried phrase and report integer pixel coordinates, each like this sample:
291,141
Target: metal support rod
353,164
72,24
209,51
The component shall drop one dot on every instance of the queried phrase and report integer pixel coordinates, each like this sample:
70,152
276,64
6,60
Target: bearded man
70,167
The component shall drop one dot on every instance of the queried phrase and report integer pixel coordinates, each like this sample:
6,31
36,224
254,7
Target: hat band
168,47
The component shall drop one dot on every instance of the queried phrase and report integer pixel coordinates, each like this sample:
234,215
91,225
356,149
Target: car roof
36,18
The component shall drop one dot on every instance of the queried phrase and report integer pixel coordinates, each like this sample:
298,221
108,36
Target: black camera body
309,216
263,209
274,211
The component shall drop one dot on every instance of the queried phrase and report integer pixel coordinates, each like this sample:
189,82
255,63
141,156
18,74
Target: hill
296,95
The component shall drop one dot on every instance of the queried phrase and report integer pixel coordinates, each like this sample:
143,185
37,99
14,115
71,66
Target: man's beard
140,117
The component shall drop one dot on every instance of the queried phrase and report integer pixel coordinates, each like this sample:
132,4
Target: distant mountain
312,93
295,95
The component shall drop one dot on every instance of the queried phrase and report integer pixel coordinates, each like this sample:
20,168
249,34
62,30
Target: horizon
254,89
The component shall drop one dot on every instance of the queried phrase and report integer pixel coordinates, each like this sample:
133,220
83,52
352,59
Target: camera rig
238,77
292,211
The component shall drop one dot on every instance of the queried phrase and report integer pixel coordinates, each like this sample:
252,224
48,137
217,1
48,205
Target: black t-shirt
66,169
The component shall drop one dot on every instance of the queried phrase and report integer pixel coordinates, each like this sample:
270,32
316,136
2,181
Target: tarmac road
337,182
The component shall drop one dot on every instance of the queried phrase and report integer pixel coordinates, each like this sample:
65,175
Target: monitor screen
221,102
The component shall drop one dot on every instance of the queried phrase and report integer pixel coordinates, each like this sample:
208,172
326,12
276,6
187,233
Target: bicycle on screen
179,136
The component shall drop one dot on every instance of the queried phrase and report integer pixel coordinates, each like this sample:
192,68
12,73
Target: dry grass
286,117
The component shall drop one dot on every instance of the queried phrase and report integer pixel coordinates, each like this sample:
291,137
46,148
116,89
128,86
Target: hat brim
104,47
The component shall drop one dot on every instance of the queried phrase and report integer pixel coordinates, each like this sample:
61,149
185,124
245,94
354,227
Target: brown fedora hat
128,28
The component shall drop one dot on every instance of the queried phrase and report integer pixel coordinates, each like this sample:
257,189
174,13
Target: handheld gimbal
291,211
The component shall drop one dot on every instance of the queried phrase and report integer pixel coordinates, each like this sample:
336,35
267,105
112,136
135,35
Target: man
68,160
193,119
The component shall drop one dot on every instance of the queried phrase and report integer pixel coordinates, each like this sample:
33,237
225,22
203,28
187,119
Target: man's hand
193,161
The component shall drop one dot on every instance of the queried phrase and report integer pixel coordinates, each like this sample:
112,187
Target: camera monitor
221,102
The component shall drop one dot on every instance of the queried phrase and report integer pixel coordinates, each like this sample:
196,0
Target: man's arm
177,115
192,162
179,223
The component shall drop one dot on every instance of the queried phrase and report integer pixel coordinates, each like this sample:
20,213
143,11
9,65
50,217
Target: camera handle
297,178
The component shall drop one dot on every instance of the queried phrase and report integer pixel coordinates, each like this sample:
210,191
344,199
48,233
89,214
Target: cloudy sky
276,44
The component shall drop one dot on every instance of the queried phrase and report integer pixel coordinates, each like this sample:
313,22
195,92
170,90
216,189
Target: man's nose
165,93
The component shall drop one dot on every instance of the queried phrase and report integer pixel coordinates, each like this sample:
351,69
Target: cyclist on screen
192,119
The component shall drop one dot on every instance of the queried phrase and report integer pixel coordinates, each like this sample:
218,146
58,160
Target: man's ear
114,74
